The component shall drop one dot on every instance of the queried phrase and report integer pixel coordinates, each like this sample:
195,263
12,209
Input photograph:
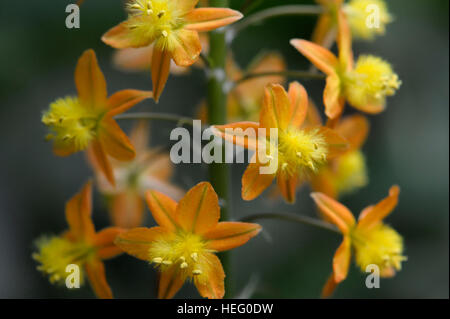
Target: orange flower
86,121
348,171
373,242
364,85
183,245
150,169
173,26
80,245
297,152
325,31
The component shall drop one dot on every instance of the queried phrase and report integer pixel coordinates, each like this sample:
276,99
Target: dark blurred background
408,146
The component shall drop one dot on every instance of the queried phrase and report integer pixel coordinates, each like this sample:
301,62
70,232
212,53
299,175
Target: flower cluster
163,35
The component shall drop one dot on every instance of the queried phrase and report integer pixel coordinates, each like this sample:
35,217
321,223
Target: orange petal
335,212
322,58
90,82
322,183
96,274
114,141
329,287
371,108
341,260
170,281
288,186
337,145
127,209
160,71
101,160
133,59
355,130
198,211
207,19
187,49
375,214
244,134
211,284
298,104
334,102
78,214
229,235
119,38
137,241
276,108
344,41
104,241
163,209
313,117
123,100
185,6
254,183
324,27
139,136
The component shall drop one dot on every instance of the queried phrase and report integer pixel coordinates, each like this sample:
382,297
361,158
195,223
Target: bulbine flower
182,247
367,19
364,85
372,241
298,153
150,169
80,245
173,26
86,121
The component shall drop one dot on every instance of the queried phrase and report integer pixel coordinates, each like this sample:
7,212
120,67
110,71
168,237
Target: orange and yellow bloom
365,85
372,241
182,247
151,169
80,245
298,153
87,121
173,26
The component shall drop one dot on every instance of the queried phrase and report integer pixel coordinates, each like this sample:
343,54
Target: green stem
305,220
271,13
217,114
293,74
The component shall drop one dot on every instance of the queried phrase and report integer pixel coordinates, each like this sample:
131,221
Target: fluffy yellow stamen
186,251
154,20
371,82
71,124
56,253
300,151
381,246
350,172
367,18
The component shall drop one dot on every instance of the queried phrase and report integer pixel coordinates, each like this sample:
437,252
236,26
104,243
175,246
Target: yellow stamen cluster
350,172
371,82
367,18
186,251
380,245
71,124
300,151
154,20
56,253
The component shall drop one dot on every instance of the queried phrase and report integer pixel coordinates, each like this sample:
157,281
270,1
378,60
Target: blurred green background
408,146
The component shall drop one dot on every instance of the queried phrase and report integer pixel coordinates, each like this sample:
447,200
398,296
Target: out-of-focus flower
373,242
86,121
173,26
151,169
244,101
364,85
347,172
183,245
367,19
298,152
80,245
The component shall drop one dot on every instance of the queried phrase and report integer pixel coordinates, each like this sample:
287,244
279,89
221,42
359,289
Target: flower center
154,20
380,245
56,253
301,151
186,251
70,123
371,81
